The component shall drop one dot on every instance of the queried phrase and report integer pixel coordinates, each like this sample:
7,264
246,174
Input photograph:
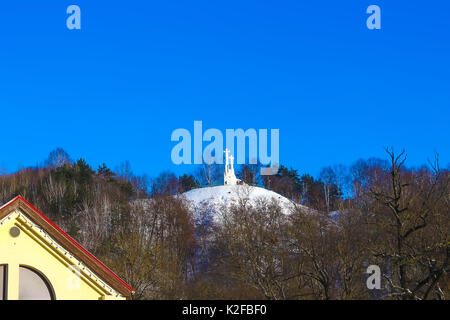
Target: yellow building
38,261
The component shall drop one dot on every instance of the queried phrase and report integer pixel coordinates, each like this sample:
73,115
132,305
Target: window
33,285
3,279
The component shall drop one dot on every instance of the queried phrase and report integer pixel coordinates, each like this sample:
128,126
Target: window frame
47,282
5,282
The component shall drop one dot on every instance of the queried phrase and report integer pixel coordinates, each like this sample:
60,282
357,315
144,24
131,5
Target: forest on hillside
374,212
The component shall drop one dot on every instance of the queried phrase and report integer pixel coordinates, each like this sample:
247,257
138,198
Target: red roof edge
19,197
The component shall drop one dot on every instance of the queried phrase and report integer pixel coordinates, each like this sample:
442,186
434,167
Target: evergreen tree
104,171
187,182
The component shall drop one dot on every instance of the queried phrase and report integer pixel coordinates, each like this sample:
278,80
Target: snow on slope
220,196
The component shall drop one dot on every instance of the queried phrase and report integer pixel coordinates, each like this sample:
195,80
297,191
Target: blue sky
137,70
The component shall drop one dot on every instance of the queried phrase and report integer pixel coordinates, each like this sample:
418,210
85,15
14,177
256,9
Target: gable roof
66,241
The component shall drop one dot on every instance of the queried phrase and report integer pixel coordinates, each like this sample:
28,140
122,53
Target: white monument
229,178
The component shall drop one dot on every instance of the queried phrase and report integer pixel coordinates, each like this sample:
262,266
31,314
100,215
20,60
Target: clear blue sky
116,89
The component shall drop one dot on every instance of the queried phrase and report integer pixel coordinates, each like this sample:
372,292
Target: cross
226,159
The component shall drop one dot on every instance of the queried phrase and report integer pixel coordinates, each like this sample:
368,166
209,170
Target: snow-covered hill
207,204
215,198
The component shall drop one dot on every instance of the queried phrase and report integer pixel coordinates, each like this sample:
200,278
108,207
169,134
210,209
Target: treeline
391,216
375,212
69,191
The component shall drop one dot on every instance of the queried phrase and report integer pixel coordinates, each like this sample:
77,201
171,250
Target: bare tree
413,218
209,174
57,158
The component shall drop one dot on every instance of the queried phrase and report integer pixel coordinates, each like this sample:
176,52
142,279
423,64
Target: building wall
32,249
